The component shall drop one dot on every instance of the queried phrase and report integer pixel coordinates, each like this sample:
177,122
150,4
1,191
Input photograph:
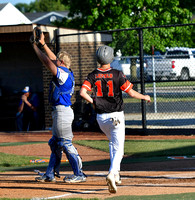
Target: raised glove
36,35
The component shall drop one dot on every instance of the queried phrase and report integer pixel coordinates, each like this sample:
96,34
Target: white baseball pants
113,125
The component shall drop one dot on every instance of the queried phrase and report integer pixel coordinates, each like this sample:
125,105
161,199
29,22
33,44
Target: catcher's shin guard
55,158
73,157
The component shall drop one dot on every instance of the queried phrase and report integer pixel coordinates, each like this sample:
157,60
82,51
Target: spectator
27,115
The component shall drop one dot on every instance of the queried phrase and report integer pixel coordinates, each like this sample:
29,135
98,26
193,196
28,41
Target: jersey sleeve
87,84
125,84
61,76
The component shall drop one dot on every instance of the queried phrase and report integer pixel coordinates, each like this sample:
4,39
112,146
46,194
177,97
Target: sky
14,2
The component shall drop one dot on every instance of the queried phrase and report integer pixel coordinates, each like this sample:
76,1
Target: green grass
185,196
138,150
10,160
58,199
19,143
148,148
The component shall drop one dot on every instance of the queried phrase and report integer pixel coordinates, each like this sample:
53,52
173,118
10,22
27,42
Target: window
193,52
178,54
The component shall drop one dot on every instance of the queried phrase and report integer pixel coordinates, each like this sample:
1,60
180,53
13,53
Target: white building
10,15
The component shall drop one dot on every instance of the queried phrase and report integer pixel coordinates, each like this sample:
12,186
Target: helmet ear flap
105,55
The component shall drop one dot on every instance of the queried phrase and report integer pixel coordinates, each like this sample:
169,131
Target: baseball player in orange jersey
107,85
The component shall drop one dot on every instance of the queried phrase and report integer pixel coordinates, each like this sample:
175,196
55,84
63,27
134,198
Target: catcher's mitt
36,35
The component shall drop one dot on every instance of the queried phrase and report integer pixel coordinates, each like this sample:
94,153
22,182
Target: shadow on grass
155,160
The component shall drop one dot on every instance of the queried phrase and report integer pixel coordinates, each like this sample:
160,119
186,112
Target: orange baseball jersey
107,88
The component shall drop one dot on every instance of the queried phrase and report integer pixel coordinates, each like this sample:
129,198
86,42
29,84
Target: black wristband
43,45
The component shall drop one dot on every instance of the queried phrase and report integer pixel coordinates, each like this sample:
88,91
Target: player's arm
45,60
84,89
85,95
134,94
127,87
48,51
21,106
25,100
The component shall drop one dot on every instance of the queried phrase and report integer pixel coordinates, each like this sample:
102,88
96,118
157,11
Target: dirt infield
170,177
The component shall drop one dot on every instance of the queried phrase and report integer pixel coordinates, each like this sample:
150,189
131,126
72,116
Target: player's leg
54,162
112,124
19,121
56,153
65,135
117,139
105,124
116,135
75,162
55,158
26,121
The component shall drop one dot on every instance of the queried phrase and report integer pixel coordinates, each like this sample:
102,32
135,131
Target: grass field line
119,186
124,174
53,197
69,194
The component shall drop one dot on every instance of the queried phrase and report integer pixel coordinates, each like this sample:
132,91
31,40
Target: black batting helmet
105,55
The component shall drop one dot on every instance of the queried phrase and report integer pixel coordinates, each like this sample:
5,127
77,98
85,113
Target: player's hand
42,39
24,98
147,98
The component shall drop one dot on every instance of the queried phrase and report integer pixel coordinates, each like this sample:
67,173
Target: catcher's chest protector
55,91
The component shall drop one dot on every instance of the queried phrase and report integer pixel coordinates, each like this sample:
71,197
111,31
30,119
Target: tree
120,14
42,6
22,7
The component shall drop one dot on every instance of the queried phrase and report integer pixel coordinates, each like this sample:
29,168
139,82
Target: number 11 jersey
107,86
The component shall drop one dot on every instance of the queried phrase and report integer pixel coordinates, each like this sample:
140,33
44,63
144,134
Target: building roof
10,15
46,17
2,5
39,15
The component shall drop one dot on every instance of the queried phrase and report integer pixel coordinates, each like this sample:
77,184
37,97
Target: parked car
178,62
124,64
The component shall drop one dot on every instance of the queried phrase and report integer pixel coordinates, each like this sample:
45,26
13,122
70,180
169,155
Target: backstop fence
167,75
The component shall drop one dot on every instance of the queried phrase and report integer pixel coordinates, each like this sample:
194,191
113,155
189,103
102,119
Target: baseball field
154,167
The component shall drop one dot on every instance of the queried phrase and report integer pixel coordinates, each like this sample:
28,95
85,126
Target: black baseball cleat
44,178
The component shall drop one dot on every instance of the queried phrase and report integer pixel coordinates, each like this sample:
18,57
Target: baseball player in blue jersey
27,117
107,85
61,90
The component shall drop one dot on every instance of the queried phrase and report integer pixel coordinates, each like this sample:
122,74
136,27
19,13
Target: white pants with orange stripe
113,125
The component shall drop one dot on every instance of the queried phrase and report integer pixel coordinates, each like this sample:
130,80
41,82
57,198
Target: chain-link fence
166,74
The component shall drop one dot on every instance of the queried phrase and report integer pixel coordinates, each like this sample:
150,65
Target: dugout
19,66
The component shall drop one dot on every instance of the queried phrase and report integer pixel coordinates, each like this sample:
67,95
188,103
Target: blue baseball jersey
64,81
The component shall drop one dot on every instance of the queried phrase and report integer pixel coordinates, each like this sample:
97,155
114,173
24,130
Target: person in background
107,84
27,117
